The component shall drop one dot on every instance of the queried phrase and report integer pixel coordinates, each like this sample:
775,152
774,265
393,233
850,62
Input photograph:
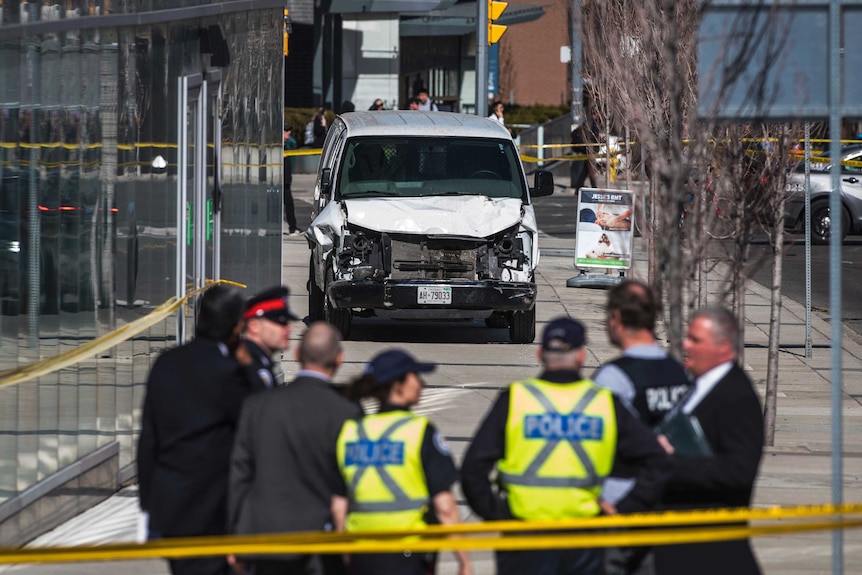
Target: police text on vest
559,426
374,453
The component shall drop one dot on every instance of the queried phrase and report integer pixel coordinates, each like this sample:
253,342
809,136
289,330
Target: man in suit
191,408
727,407
284,469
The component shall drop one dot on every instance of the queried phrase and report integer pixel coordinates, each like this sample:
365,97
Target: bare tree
707,180
640,56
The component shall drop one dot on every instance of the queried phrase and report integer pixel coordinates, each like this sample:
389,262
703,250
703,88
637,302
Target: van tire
522,326
340,318
315,296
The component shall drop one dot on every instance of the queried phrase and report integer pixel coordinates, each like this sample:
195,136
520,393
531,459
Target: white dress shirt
704,384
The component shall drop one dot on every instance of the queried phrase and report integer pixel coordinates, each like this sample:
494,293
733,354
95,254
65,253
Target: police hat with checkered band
270,304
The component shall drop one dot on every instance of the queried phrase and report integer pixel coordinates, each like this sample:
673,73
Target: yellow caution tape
569,157
50,365
329,543
303,152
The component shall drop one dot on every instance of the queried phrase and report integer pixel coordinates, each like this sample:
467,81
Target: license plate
440,295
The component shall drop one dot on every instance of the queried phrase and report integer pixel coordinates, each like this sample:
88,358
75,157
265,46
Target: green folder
686,435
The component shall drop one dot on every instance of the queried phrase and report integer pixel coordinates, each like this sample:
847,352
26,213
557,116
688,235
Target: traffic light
495,31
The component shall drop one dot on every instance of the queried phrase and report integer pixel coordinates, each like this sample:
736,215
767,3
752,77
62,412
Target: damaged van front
424,216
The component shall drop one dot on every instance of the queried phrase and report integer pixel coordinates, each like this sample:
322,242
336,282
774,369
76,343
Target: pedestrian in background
319,127
289,210
283,470
425,102
497,112
376,105
191,407
413,104
646,378
729,412
267,331
396,466
584,136
552,468
347,106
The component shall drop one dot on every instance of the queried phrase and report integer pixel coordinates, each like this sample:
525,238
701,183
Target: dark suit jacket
191,409
284,469
732,420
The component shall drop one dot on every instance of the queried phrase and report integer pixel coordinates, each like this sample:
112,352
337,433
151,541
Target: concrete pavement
476,361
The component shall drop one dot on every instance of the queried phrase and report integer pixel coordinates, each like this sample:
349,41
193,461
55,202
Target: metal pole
34,238
182,191
577,84
482,58
808,240
835,270
540,142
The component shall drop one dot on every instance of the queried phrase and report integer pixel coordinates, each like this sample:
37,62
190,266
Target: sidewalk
795,471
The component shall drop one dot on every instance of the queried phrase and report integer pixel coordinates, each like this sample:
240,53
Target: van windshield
417,166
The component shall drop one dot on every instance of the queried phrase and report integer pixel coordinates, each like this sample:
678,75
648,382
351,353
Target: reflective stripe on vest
530,476
381,461
402,501
560,444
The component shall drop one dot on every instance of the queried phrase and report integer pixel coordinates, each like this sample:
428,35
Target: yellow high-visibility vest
381,462
560,444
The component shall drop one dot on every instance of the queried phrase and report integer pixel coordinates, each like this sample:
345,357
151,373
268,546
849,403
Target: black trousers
629,561
578,173
388,564
200,566
304,565
550,562
287,196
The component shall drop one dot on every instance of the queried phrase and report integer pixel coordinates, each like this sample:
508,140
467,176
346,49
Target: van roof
414,122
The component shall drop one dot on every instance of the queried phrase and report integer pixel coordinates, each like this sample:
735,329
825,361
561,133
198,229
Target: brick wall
530,67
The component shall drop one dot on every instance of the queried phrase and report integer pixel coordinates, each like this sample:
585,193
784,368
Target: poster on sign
604,236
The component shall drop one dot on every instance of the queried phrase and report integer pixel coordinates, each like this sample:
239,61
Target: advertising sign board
604,236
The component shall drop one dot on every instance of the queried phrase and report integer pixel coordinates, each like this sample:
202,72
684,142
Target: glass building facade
141,156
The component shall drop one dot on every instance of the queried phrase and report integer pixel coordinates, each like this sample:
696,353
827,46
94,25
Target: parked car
821,185
424,216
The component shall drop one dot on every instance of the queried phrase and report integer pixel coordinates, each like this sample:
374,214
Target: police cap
394,364
270,304
564,334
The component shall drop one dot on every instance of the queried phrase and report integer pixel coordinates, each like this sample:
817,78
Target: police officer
395,465
267,330
644,377
553,439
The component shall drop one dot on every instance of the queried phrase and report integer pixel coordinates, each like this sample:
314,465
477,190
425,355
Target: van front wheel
340,318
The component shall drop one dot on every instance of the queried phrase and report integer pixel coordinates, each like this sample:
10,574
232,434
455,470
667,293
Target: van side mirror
543,184
325,181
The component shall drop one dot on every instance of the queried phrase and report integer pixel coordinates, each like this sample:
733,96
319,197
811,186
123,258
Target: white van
424,216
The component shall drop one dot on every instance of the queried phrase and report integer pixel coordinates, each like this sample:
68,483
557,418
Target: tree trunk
771,402
770,407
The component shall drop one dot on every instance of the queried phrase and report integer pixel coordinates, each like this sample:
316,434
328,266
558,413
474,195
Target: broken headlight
362,254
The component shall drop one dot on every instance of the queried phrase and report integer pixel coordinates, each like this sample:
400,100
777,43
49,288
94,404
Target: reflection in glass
88,220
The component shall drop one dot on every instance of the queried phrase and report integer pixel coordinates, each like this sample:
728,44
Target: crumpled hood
472,216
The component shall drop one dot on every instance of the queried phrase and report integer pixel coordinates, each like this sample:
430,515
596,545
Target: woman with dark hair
397,468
